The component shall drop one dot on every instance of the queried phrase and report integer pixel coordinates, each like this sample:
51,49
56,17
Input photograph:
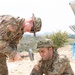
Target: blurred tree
58,38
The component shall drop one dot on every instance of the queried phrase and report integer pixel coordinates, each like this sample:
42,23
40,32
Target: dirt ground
25,66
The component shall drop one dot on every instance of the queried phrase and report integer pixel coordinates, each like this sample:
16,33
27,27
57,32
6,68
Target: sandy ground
22,67
25,66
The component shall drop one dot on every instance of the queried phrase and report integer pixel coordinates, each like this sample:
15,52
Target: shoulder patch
63,58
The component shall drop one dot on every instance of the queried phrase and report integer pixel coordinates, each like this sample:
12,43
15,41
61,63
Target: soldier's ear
51,52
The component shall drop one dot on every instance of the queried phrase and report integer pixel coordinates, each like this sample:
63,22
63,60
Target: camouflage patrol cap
45,43
36,24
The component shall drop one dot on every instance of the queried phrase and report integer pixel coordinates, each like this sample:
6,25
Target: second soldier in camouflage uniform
11,31
51,63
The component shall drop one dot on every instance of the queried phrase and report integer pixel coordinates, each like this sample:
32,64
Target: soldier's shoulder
6,16
63,58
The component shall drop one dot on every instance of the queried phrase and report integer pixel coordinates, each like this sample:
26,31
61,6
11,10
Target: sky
56,15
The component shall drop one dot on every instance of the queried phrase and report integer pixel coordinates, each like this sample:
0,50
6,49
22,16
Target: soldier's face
28,24
46,53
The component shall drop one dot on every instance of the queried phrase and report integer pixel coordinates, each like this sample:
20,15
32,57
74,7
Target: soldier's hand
36,67
17,57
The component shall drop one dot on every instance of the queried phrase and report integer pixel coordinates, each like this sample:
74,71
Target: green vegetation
60,39
28,42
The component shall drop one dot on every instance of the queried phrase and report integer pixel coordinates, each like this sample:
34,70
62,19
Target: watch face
72,4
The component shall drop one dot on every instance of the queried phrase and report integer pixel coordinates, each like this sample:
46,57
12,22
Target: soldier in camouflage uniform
11,31
51,63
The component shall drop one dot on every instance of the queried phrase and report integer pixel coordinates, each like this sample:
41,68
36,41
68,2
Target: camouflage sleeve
60,67
35,72
7,49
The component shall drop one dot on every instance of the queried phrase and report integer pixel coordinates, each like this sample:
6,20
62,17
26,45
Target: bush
59,38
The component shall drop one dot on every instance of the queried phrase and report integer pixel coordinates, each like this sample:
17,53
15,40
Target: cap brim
33,17
53,46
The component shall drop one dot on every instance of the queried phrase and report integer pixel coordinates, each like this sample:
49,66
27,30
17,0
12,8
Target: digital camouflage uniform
58,65
10,39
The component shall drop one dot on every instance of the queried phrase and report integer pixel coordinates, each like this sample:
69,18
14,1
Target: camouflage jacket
58,66
9,39
5,33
